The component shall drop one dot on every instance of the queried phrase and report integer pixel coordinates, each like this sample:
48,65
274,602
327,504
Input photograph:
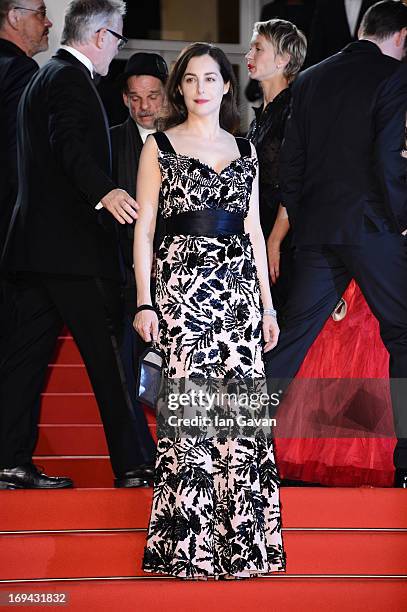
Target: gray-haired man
62,248
23,33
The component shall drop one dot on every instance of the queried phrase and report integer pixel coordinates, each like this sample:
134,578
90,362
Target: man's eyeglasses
122,39
40,11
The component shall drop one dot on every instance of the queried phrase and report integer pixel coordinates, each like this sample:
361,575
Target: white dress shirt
352,8
144,132
81,57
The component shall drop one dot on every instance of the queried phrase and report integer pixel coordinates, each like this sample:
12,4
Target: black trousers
320,277
37,305
131,349
281,290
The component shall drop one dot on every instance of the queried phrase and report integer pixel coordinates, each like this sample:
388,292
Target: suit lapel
106,122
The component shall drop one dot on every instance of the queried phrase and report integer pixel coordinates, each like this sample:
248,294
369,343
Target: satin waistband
209,222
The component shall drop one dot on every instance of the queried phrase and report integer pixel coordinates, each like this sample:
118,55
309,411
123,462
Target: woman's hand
271,332
146,325
273,255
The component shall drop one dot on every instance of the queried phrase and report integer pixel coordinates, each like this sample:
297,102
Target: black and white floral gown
216,501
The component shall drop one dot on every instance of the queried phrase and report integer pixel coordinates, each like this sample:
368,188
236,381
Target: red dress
350,348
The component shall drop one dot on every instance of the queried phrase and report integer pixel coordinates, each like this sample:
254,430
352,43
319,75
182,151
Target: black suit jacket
126,150
330,29
16,70
64,171
341,158
299,14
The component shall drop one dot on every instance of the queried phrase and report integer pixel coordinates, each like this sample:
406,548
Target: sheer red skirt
350,348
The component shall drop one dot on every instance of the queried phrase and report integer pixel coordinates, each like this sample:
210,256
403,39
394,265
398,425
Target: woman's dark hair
176,112
384,19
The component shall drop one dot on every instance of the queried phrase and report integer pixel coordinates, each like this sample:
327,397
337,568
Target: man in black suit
344,186
335,24
299,12
62,248
142,84
23,34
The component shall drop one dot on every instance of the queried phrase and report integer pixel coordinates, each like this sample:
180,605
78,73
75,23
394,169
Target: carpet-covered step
73,440
74,509
87,471
69,408
269,595
66,351
74,408
302,508
58,555
67,379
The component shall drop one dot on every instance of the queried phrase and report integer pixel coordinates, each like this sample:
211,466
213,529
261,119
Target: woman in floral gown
215,510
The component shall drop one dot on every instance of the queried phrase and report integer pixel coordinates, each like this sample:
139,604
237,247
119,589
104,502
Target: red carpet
268,595
346,548
271,595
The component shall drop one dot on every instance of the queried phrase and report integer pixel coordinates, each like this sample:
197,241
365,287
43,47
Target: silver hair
285,38
84,17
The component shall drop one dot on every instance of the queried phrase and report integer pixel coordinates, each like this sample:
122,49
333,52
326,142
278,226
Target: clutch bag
149,376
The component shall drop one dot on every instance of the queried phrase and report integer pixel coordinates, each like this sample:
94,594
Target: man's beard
140,118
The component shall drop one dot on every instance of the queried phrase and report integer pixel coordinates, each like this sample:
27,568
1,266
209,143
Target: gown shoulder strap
244,146
163,142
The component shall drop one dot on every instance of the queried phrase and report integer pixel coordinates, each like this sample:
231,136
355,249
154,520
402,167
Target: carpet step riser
120,509
67,379
71,409
276,594
74,440
89,472
67,352
120,554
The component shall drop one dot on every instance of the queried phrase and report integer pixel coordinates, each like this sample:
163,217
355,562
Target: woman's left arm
253,228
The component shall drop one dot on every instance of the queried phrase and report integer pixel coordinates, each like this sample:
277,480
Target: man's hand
121,205
273,254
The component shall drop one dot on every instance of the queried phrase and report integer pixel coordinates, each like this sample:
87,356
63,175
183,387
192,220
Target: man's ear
100,38
13,19
400,37
126,99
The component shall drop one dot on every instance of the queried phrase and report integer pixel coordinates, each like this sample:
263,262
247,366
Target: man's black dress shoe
141,476
28,476
400,479
148,470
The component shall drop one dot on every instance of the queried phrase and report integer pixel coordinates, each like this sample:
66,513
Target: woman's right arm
148,190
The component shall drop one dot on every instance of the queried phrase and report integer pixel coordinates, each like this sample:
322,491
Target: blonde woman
277,53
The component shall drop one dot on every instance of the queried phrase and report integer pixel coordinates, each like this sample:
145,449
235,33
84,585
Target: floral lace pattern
216,501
